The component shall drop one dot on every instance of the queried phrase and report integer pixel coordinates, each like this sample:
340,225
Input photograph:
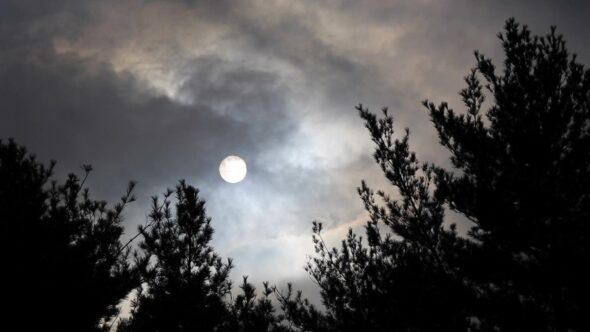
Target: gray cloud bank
156,91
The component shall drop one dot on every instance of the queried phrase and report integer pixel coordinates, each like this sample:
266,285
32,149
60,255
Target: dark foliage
63,265
250,313
186,285
66,270
525,183
522,176
184,281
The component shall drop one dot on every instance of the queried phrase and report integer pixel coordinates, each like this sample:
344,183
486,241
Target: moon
233,169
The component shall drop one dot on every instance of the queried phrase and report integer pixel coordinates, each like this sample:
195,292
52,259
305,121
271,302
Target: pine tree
403,277
524,180
185,283
64,267
251,313
521,176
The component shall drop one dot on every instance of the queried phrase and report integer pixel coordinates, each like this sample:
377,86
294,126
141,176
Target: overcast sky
157,91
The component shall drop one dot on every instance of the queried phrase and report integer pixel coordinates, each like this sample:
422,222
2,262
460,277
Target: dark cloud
160,90
78,111
67,111
250,96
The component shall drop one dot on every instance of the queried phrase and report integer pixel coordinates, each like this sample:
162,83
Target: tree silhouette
66,270
521,175
250,313
524,181
63,264
185,281
186,285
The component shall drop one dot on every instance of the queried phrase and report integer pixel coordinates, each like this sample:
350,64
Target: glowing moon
233,169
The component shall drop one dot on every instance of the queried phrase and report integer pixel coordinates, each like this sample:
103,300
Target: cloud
160,90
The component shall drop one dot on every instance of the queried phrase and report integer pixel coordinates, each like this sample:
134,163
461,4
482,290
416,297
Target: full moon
233,169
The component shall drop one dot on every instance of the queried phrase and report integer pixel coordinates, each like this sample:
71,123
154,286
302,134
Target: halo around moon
233,169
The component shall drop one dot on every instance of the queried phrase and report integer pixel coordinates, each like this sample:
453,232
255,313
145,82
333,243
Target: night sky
157,91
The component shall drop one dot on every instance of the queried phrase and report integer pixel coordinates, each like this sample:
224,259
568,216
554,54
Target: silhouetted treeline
185,284
64,267
521,176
